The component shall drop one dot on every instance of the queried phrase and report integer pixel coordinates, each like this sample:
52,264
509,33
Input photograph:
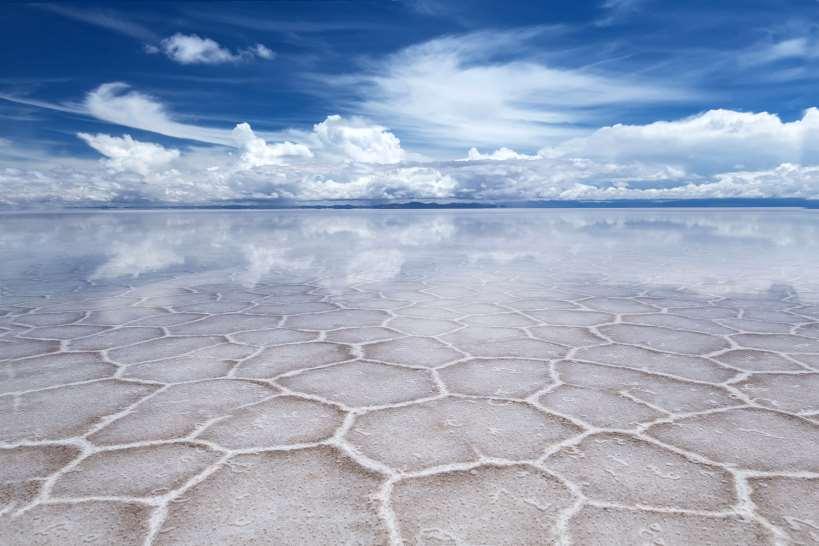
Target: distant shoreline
437,204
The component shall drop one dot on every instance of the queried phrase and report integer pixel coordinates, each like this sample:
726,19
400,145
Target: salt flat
472,377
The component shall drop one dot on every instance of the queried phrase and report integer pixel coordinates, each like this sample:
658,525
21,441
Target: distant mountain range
433,204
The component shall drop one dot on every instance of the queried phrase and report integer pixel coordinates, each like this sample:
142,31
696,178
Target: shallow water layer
375,377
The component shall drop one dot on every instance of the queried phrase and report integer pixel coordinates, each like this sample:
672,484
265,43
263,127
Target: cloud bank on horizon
521,113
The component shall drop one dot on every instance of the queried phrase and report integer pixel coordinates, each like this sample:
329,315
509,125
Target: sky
293,101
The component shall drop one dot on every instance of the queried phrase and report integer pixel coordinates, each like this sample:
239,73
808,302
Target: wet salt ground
489,377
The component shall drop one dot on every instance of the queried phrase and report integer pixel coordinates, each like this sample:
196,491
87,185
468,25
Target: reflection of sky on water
716,251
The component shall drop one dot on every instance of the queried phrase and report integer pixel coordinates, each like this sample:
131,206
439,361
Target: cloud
335,138
490,88
617,10
102,19
800,48
719,153
711,142
117,103
368,182
190,181
48,105
193,49
126,154
263,51
501,154
257,153
785,180
358,141
432,8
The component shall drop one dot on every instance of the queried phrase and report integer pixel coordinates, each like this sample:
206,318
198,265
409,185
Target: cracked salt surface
508,377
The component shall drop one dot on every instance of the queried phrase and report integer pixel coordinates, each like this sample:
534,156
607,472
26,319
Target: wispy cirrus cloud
799,48
181,48
615,11
491,88
102,19
68,107
117,103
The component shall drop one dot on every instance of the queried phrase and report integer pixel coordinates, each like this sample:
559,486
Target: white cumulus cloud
263,51
194,49
716,154
126,154
371,182
257,153
358,141
190,181
711,142
501,154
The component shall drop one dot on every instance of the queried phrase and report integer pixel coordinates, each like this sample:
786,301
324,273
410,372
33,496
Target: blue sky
188,102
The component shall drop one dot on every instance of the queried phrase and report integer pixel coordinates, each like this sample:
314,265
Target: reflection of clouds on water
374,266
717,251
500,257
355,227
426,231
127,260
410,229
262,260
